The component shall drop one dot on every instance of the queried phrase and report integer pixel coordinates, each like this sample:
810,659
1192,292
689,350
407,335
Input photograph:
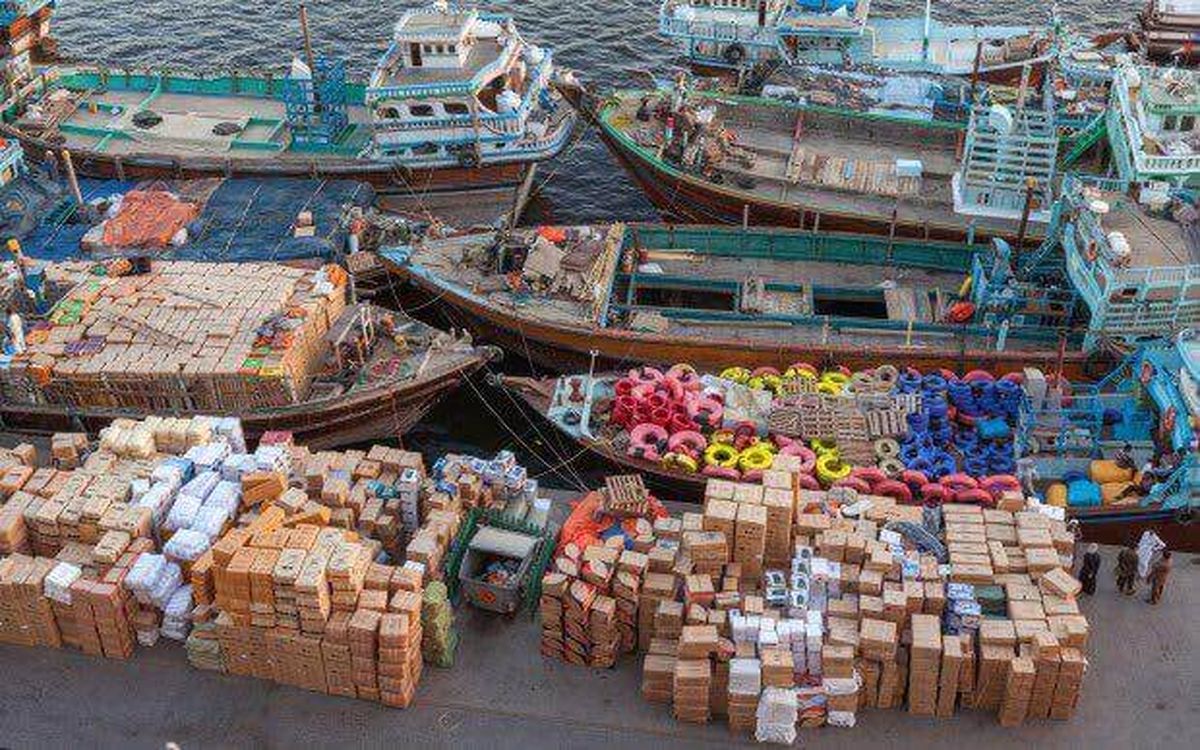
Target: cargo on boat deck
184,336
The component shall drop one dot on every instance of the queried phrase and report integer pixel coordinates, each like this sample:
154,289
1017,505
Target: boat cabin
1153,124
1134,261
458,85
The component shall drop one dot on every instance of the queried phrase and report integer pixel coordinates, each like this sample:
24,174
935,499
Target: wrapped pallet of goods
222,337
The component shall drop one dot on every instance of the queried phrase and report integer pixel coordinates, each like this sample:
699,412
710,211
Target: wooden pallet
626,495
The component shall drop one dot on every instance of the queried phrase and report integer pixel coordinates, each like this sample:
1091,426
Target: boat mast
309,59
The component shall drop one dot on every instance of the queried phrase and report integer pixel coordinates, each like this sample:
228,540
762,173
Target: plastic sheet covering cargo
242,220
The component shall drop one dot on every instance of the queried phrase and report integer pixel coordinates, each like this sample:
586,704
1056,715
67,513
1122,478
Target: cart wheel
1185,516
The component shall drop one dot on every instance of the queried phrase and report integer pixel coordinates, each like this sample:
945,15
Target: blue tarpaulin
243,220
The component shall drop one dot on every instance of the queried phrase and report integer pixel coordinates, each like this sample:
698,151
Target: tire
468,158
734,54
1185,516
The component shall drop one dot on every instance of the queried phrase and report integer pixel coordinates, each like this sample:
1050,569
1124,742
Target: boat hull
382,412
563,349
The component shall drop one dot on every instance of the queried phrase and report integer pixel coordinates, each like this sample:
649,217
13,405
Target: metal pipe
1026,210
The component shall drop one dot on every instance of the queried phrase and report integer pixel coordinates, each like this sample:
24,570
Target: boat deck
104,122
850,170
710,297
951,46
1157,241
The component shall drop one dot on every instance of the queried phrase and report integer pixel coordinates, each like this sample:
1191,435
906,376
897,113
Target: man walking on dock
1158,576
1127,562
1089,569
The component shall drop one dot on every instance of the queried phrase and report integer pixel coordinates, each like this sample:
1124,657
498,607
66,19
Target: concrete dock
1140,691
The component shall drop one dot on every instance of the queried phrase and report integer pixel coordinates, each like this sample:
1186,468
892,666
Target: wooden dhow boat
862,163
569,298
459,104
330,373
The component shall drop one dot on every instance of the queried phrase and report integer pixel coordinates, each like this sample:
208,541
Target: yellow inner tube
736,374
835,377
721,454
822,447
756,459
829,387
795,373
830,468
722,436
680,461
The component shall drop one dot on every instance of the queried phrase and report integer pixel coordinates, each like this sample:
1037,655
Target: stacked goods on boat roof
778,607
220,337
306,568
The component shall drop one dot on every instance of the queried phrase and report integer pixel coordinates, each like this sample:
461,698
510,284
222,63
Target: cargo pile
780,607
305,568
219,337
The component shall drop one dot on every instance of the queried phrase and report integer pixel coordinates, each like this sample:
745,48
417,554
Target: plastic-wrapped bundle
745,676
143,574
183,512
175,624
201,485
229,429
237,465
777,716
208,456
158,499
57,585
273,458
226,496
175,471
187,544
210,521
170,579
137,488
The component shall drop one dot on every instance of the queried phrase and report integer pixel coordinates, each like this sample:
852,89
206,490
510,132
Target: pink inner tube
657,401
661,416
975,495
803,366
807,482
869,474
894,488
680,423
647,433
721,472
706,411
782,441
978,376
761,371
808,459
623,410
690,439
1000,483
956,482
646,374
673,388
624,387
935,492
1014,377
855,483
914,479
642,391
753,475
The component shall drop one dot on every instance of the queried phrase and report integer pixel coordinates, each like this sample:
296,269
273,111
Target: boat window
452,49
456,108
694,299
1187,123
425,149
389,113
1169,122
850,303
421,110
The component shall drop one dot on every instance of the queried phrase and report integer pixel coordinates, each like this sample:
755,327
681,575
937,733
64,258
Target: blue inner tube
933,382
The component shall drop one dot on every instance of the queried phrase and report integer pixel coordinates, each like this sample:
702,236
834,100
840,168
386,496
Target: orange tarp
148,218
